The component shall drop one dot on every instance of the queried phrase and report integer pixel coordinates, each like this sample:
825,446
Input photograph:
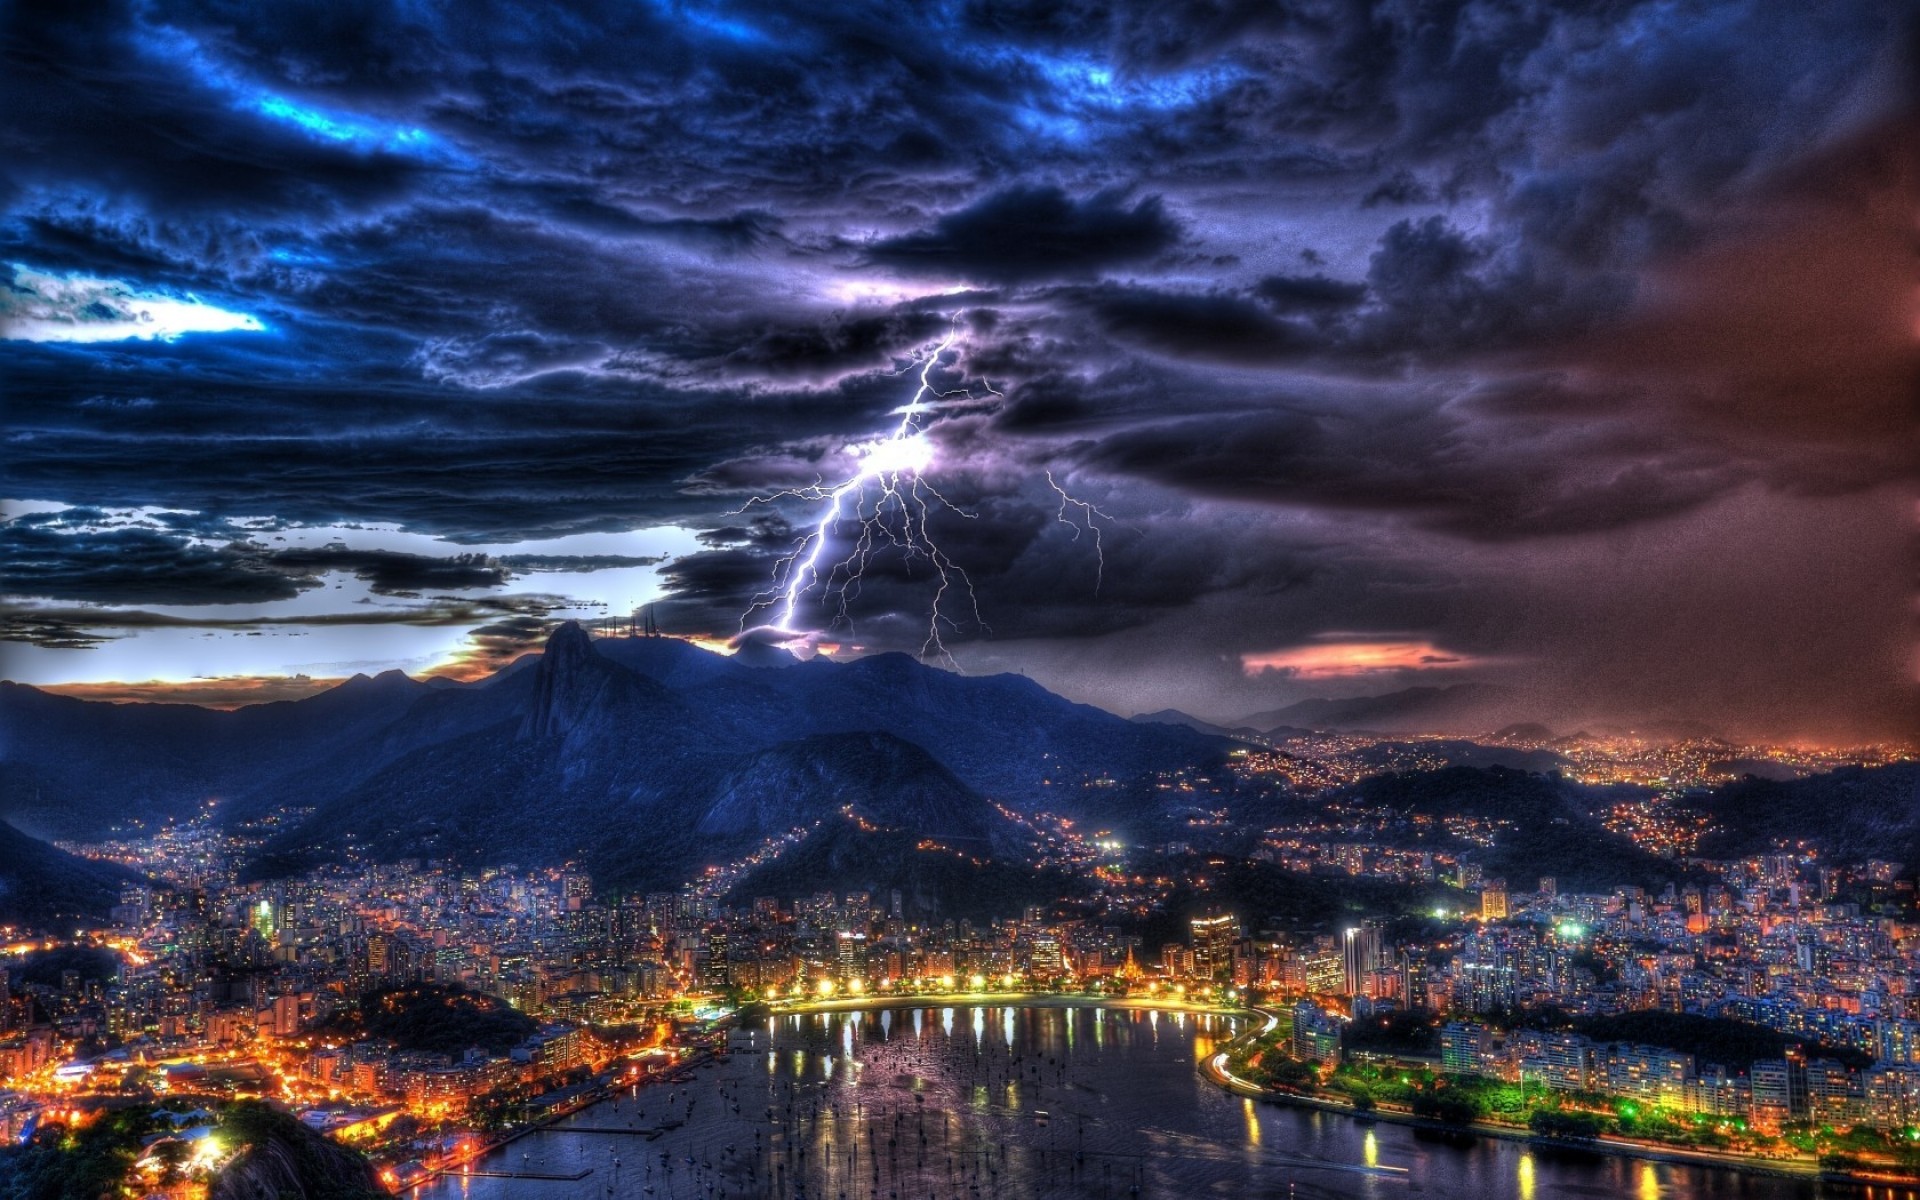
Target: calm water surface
970,1103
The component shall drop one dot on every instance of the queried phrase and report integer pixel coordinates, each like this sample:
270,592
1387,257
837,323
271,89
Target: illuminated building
1362,948
850,956
1213,940
1493,901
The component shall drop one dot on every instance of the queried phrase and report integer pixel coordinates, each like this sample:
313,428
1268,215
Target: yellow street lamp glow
856,986
826,987
977,982
946,981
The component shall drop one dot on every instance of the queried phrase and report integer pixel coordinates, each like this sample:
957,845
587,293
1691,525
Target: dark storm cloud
81,628
501,641
1400,188
77,554
1030,572
368,443
739,231
837,345
1309,293
577,562
762,529
1047,402
1031,233
391,573
1429,464
1439,275
137,565
1205,325
28,628
94,95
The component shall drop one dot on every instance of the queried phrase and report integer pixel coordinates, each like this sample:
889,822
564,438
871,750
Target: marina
963,1103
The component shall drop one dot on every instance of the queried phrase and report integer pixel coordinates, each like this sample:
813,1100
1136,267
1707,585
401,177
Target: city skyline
1748,1017
1563,354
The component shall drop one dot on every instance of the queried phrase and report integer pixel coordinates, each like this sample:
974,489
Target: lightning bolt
1087,514
891,500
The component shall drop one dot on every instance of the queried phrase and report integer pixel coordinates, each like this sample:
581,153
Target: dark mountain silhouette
76,768
1463,707
281,1158
762,654
1525,731
875,778
643,757
581,696
1852,814
935,881
43,887
672,662
880,815
1173,716
435,1018
1548,828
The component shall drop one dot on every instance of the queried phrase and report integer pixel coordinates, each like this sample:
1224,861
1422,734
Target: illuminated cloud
708,20
38,306
1347,657
347,130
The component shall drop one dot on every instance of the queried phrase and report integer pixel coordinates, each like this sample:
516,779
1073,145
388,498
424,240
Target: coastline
1214,1068
598,1093
1005,999
699,1058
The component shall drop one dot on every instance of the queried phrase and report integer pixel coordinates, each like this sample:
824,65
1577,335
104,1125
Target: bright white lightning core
889,501
893,456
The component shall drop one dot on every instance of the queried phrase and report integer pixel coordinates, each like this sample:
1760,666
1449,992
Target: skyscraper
850,959
1213,939
1363,947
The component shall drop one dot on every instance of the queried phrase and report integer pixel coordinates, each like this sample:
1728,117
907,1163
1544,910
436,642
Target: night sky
1568,348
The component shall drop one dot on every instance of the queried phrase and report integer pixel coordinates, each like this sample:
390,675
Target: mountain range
1460,708
649,759
643,758
1852,814
1173,716
44,887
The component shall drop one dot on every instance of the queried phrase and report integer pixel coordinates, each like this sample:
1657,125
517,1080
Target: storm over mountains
1567,348
646,760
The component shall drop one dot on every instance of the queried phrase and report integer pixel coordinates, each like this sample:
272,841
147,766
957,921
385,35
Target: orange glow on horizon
227,692
238,691
1331,660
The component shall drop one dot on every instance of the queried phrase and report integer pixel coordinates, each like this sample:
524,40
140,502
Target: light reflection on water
1024,1102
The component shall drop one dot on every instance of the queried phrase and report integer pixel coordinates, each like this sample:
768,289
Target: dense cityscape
424,1014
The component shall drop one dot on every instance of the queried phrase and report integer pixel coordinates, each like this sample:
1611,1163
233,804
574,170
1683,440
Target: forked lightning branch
887,506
